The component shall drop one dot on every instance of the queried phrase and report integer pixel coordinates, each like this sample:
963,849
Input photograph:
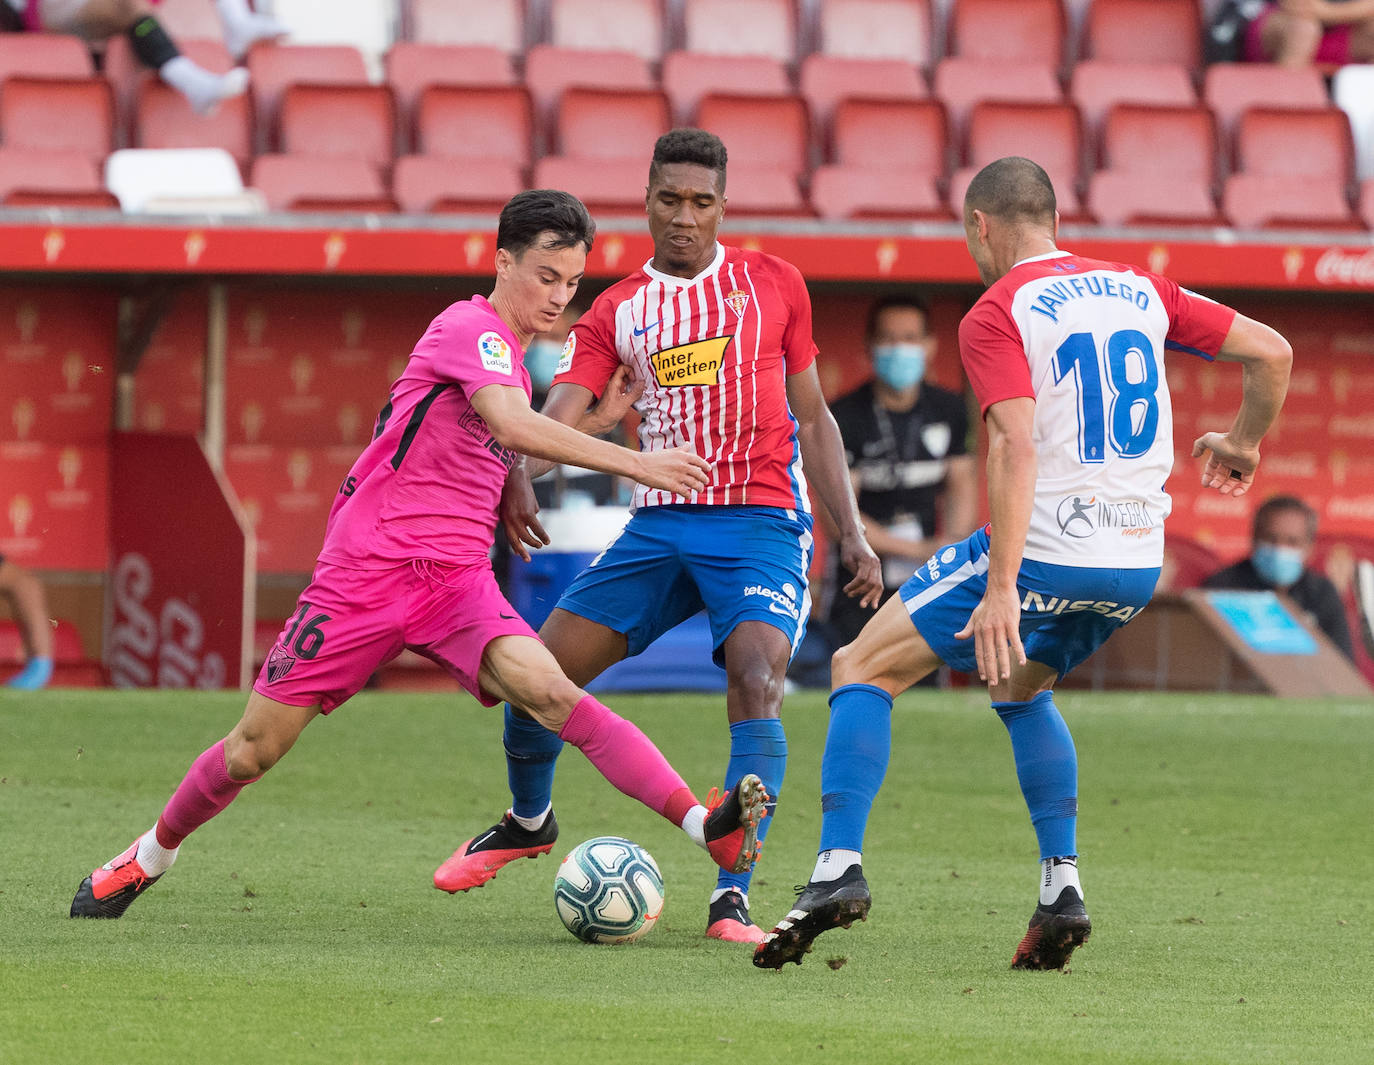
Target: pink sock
206,790
627,758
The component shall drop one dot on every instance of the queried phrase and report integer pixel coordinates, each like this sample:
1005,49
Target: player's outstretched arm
506,410
1266,360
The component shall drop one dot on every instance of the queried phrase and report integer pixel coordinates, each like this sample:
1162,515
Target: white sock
152,855
201,87
243,27
694,824
1055,875
831,864
725,891
531,824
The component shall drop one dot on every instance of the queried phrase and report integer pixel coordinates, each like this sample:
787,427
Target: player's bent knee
549,698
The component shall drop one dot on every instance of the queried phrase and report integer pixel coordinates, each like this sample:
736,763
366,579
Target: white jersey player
1066,357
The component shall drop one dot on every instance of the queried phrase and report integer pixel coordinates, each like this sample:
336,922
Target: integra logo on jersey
1080,518
1055,605
697,363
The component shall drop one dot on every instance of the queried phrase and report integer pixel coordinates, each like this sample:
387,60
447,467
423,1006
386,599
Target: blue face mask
899,366
1279,566
541,360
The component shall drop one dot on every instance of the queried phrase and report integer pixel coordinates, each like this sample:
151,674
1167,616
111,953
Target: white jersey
1085,339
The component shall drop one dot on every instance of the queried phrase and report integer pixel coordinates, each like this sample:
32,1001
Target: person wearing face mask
905,444
1284,530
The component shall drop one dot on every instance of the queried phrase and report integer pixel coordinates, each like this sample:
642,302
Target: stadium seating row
865,138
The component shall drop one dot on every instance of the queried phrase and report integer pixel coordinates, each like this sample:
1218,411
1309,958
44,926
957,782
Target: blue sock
35,674
857,749
531,755
759,746
1047,767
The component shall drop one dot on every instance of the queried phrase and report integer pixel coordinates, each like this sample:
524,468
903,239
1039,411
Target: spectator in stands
23,594
1301,32
96,21
905,443
1284,530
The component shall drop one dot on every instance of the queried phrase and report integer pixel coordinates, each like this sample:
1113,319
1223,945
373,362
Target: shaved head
1012,189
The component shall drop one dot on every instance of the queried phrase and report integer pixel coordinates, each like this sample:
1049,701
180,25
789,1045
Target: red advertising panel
181,569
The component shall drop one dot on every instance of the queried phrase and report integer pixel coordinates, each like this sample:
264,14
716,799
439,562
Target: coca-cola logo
165,651
1337,267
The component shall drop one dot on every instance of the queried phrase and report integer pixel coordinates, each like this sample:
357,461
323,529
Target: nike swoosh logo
781,610
485,836
641,332
506,617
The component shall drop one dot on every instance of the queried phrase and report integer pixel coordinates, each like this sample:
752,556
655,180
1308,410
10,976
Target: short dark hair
1013,189
1277,505
528,214
905,301
689,145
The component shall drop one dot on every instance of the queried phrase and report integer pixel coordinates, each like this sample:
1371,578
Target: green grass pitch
1227,862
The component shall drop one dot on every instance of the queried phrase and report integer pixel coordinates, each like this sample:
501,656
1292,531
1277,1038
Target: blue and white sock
1047,769
759,746
858,747
531,757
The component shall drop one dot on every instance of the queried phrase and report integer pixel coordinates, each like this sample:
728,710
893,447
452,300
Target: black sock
151,43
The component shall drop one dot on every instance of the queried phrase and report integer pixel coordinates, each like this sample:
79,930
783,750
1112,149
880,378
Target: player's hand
621,393
1229,469
995,626
679,470
519,514
858,558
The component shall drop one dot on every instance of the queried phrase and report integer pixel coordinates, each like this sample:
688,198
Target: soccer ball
608,890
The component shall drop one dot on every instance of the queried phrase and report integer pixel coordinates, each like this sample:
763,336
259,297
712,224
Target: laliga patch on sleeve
565,359
495,352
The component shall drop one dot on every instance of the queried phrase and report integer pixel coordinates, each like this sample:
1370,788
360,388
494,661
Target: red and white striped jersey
1086,340
714,352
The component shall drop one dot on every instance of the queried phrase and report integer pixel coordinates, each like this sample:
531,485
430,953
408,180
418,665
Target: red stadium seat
1099,84
308,183
767,191
1295,143
428,184
839,192
611,123
164,119
56,114
688,76
1367,202
962,83
759,131
129,79
339,120
1231,88
1180,141
1187,564
412,67
889,158
610,186
1049,134
1144,31
44,55
549,70
876,29
1268,201
275,66
1023,31
826,80
495,23
619,25
741,27
475,123
1141,197
61,178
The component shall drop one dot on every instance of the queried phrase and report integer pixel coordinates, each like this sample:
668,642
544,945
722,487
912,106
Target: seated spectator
1302,32
96,21
23,594
1284,530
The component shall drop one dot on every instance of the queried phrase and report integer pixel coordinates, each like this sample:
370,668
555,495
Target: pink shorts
349,622
1334,47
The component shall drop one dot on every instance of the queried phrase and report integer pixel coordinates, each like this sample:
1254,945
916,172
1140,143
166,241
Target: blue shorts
1067,612
739,563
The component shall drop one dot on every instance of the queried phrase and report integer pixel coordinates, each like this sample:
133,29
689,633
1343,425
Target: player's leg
521,670
1289,38
266,731
889,656
23,592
